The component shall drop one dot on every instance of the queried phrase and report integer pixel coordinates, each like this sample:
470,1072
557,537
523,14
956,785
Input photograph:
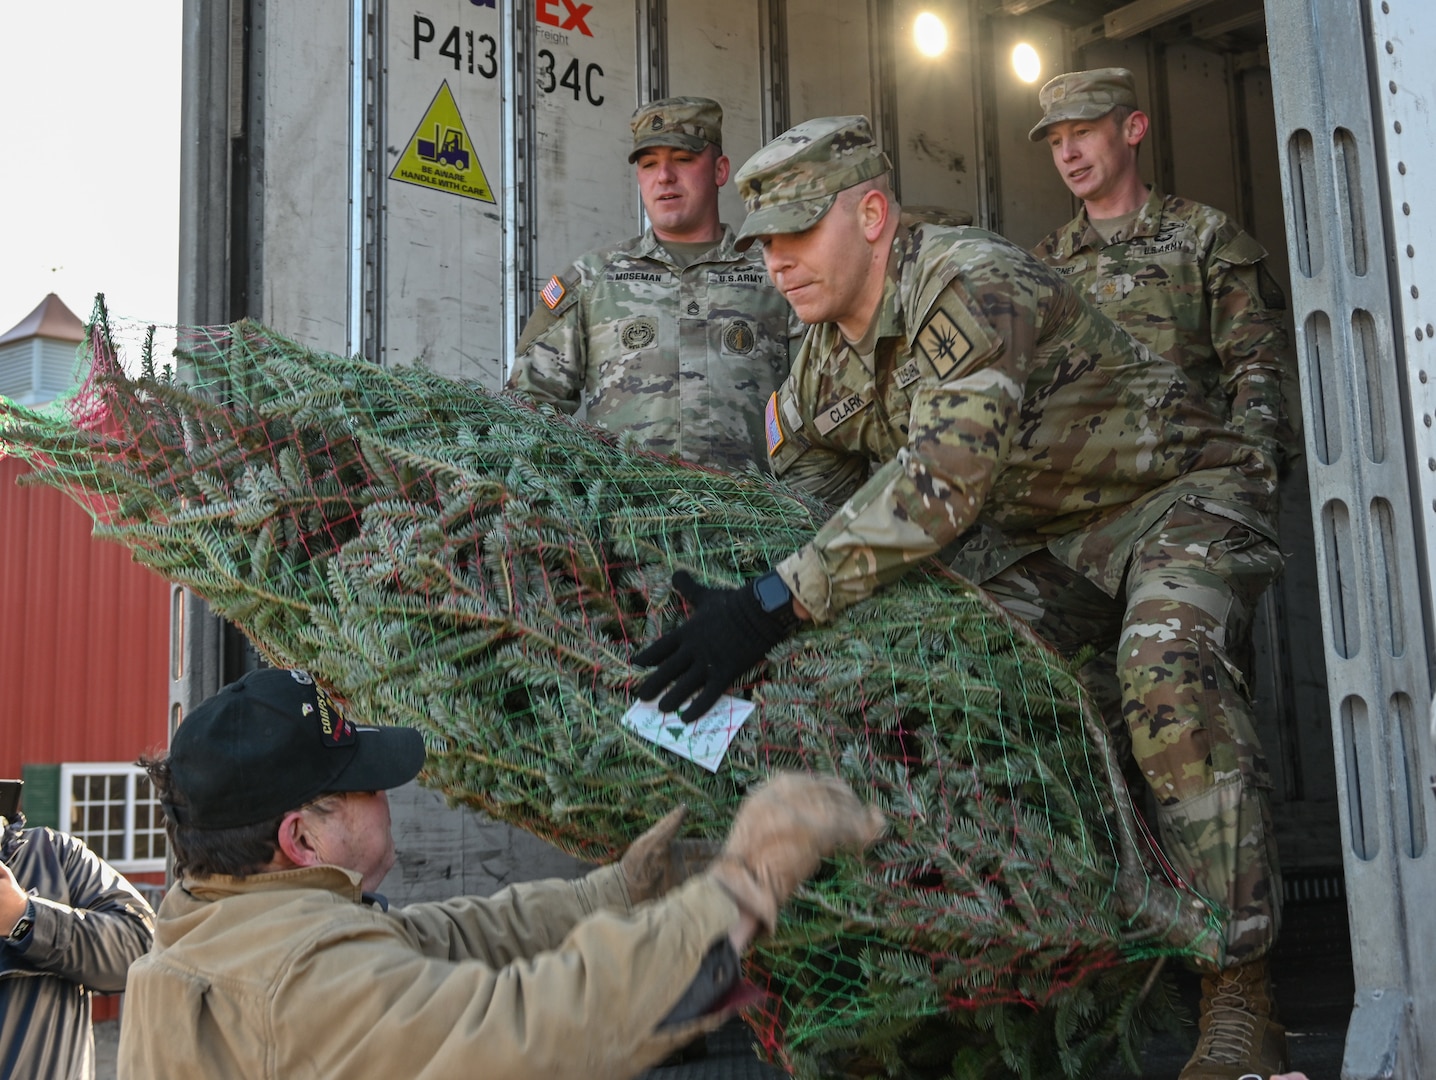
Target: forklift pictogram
450,151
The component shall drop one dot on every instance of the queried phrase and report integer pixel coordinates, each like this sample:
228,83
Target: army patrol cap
792,182
1083,95
689,122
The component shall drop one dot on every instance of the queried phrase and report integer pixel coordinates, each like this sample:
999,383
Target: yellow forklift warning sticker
440,154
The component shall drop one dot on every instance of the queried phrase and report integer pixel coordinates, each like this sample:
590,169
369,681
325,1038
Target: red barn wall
84,636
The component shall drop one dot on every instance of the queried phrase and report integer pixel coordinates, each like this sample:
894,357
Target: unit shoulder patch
942,343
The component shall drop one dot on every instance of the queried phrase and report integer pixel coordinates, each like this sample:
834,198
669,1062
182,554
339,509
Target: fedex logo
564,14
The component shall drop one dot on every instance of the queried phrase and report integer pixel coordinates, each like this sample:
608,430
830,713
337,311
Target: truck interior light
1026,62
929,34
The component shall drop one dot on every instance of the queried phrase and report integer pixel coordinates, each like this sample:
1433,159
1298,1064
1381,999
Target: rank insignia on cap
943,343
773,426
553,292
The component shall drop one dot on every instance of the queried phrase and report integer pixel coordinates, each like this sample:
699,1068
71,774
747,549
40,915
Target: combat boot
1240,1037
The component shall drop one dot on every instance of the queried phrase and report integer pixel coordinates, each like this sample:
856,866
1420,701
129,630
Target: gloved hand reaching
782,832
729,632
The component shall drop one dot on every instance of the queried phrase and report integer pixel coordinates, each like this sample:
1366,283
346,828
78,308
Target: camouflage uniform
681,355
1188,283
1001,420
684,358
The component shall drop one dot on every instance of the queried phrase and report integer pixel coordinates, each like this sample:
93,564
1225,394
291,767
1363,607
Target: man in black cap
274,958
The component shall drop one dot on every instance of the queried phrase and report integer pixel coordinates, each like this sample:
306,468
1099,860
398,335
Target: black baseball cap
271,741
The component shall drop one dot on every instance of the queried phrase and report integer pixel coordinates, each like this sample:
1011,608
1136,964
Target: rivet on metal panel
1431,463
1385,8
1421,374
1406,208
1401,167
1430,330
1415,292
1410,251
1390,48
1397,126
1426,419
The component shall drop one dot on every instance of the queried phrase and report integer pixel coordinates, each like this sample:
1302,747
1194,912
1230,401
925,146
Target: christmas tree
458,561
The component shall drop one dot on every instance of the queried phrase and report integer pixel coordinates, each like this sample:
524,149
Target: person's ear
873,212
721,168
1137,125
295,841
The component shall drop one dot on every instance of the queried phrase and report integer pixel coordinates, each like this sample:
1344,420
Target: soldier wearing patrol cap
955,395
673,335
1187,282
1180,277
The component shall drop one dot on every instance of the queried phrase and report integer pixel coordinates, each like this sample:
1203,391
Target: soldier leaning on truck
966,401
1186,281
674,335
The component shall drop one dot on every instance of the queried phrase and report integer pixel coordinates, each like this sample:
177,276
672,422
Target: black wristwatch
27,920
776,599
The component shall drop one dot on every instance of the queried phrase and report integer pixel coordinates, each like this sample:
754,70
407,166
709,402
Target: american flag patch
553,292
773,425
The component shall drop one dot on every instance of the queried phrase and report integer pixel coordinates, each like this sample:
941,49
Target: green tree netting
456,560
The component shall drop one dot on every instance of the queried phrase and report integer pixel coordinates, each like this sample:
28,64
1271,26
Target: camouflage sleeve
959,429
1045,249
551,355
1247,312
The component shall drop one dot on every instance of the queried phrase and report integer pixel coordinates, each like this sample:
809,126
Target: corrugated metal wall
84,637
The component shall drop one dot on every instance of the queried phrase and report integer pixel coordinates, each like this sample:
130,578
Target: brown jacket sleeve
515,923
555,988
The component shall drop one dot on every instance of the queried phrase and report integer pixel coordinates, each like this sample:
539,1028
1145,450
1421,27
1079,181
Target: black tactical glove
729,632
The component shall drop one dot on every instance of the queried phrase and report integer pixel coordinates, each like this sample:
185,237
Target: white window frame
69,770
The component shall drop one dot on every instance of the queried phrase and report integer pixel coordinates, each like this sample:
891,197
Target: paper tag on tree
703,742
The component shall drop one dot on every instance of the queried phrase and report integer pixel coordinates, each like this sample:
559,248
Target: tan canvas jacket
292,975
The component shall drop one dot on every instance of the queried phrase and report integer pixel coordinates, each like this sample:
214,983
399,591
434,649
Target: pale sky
90,138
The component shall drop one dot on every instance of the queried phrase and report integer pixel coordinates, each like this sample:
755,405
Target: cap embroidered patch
943,343
553,292
773,426
334,730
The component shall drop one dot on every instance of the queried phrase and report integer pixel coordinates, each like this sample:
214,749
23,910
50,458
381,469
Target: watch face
772,593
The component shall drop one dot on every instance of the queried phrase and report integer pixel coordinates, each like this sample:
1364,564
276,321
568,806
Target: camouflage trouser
1177,699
